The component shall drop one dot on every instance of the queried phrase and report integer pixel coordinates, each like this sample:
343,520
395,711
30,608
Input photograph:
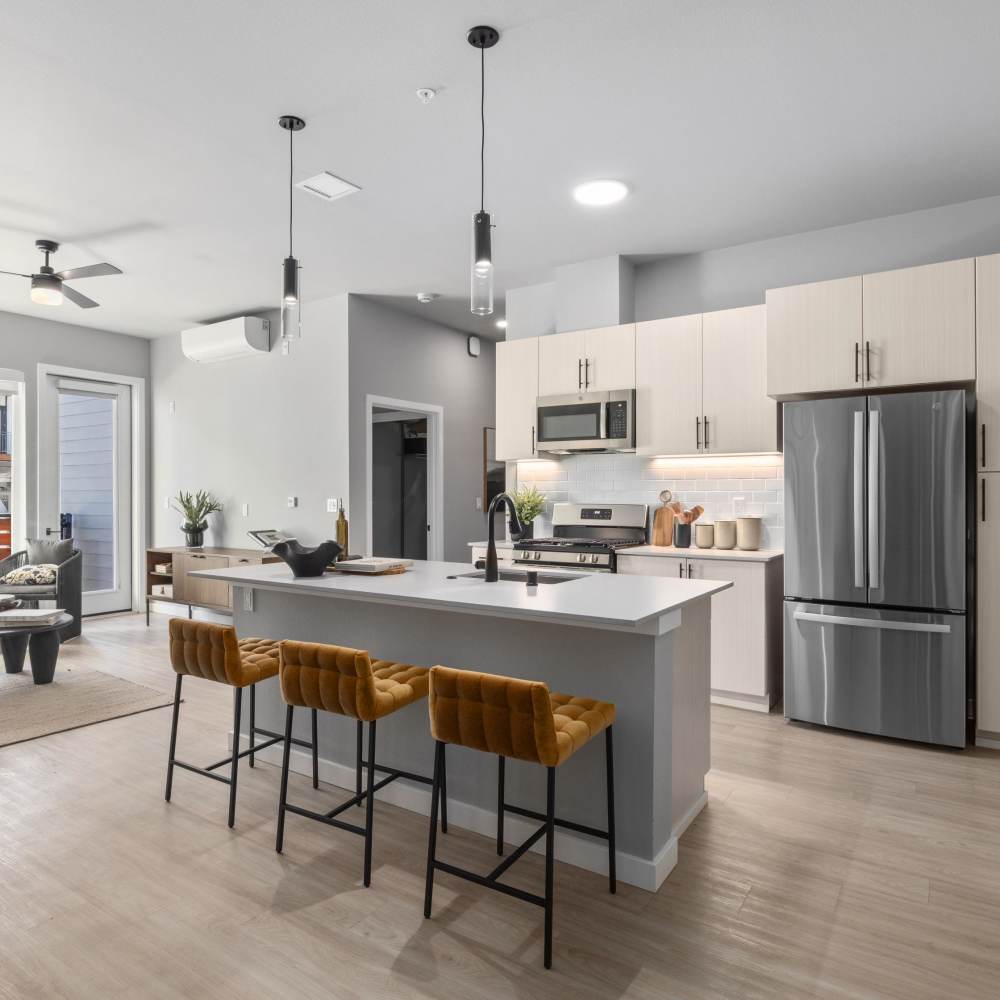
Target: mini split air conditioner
226,341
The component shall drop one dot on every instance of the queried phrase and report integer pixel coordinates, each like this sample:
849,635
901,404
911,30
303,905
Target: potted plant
195,507
528,503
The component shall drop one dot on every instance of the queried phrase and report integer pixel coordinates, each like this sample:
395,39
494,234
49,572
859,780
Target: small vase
682,535
194,539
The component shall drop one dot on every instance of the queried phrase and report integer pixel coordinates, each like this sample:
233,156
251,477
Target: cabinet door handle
706,433
868,360
982,501
680,569
689,574
857,361
982,438
579,373
532,440
586,373
697,433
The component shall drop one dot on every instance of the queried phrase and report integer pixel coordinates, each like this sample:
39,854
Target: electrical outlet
171,407
247,599
739,506
331,505
166,503
293,501
479,503
246,510
285,347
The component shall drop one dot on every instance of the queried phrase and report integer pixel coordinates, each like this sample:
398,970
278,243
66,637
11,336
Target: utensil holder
682,535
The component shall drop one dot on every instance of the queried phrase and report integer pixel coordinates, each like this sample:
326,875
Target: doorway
86,481
404,479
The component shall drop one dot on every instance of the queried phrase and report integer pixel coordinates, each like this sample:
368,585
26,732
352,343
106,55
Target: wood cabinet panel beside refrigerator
988,363
987,619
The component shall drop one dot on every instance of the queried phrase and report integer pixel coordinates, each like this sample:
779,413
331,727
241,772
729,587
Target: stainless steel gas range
586,537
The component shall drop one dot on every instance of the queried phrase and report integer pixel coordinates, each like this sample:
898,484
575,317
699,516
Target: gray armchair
67,591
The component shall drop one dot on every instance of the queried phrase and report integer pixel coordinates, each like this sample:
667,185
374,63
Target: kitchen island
640,642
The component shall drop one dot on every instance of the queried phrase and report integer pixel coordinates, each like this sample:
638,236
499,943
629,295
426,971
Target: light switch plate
293,501
172,407
479,503
331,505
166,503
246,510
285,346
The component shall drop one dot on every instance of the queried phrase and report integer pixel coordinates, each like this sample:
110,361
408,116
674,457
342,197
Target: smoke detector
426,95
426,297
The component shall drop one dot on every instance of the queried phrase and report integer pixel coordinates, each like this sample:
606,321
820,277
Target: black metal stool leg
253,719
238,705
550,813
609,747
361,737
502,762
432,837
173,736
315,751
283,793
444,793
370,805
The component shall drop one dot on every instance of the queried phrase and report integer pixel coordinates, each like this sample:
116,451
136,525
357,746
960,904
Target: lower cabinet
746,623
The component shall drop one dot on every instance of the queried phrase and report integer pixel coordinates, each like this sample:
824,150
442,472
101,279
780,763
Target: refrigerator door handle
876,623
859,498
874,501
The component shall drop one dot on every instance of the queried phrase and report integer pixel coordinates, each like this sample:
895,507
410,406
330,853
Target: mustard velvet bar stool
213,652
347,682
519,719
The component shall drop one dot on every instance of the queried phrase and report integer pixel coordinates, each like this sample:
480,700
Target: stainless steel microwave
586,421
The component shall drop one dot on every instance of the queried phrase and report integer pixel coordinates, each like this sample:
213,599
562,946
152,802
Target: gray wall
256,430
404,357
26,340
738,276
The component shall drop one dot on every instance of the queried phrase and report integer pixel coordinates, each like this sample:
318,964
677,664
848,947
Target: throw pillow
40,575
54,551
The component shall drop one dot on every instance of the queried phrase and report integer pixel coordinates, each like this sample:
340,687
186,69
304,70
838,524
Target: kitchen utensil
704,535
725,534
748,532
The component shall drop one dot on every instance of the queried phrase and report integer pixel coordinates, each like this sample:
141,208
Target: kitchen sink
520,576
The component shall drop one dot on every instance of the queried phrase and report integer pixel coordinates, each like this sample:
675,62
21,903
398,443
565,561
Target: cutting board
663,526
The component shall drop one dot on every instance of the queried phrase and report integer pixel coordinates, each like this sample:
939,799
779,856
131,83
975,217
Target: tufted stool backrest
330,678
204,649
500,715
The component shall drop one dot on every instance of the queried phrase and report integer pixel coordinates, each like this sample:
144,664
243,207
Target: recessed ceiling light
426,297
501,324
328,186
602,192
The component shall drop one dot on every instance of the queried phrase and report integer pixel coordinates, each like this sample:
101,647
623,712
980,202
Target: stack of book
27,617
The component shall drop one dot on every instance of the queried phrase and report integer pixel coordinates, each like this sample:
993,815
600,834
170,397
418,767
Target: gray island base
640,642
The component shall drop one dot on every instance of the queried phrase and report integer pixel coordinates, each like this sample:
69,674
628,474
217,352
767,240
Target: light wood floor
825,865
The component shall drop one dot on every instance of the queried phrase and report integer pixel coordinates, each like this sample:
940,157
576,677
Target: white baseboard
753,703
570,848
991,741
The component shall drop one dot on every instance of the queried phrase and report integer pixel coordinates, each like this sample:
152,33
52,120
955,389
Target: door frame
15,385
435,468
137,385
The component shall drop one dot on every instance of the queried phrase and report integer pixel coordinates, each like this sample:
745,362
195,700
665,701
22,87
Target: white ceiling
146,135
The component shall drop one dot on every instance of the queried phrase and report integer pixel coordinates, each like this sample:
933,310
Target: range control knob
582,557
595,558
538,555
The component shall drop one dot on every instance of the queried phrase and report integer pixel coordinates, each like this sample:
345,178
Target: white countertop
760,555
597,600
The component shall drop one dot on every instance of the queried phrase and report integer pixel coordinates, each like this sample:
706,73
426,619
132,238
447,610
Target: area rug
77,697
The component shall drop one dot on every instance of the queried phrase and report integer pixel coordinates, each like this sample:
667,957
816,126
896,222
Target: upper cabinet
988,363
587,360
919,325
516,392
700,385
898,328
739,416
814,337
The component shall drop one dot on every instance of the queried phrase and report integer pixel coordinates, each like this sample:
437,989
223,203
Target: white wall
25,341
255,431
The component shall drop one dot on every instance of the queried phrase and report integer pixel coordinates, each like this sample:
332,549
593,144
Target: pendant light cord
482,119
291,136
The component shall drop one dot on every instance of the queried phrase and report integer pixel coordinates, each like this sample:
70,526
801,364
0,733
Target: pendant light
291,314
482,37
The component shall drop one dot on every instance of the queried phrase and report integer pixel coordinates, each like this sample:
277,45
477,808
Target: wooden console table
212,595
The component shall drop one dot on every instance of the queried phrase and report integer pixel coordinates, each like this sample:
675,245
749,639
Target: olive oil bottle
342,529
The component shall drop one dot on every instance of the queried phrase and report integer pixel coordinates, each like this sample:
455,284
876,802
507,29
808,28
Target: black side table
41,641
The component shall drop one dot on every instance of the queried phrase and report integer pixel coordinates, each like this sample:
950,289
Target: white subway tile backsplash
633,479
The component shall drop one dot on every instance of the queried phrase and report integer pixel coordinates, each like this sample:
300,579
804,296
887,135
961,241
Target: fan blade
90,271
15,274
81,300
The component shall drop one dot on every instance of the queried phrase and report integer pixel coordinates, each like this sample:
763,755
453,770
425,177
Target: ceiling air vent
328,186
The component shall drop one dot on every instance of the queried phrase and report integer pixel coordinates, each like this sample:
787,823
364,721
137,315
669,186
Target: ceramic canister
704,535
725,534
748,532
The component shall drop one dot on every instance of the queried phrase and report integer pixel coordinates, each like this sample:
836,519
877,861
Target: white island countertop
596,600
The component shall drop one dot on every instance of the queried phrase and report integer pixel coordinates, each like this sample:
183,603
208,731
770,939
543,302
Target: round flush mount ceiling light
600,192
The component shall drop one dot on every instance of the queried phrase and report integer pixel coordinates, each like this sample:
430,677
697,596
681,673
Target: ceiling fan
47,286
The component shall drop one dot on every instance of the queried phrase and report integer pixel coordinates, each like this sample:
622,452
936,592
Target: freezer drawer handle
813,616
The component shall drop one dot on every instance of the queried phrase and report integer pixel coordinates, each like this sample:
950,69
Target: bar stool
519,719
347,682
212,652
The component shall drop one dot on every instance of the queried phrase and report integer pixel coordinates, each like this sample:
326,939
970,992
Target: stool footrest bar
200,770
256,748
397,773
329,820
565,823
295,740
356,799
514,855
482,880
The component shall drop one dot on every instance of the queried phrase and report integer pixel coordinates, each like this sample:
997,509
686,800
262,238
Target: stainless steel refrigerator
877,552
